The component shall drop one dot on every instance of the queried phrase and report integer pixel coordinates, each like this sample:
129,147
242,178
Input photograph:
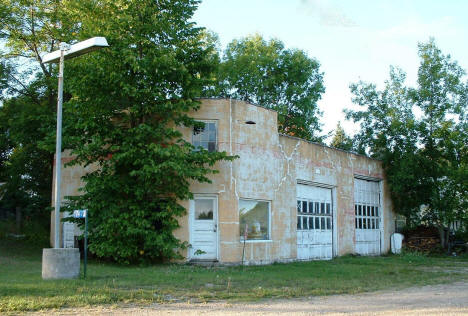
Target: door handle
215,228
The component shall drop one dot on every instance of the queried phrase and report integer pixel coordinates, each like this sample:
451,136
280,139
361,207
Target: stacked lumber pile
422,239
422,244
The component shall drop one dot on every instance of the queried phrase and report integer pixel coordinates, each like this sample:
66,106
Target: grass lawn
22,288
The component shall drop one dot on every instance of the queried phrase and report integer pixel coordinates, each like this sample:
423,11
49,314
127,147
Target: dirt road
448,299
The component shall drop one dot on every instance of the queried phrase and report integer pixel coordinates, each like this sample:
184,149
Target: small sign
83,214
68,235
80,213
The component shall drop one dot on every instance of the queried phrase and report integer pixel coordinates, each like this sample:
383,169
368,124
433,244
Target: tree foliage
285,80
122,110
424,155
28,96
26,167
127,103
340,140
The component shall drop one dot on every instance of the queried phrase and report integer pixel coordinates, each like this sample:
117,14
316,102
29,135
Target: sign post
245,238
84,214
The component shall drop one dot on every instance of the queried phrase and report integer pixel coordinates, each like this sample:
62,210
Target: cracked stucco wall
268,169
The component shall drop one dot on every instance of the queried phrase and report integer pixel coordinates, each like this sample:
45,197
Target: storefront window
255,216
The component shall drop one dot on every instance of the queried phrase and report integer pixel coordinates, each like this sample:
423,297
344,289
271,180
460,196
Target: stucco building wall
268,168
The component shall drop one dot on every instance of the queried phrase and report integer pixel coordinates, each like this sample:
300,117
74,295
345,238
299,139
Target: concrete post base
60,263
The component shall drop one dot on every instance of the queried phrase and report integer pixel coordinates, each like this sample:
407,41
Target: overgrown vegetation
425,155
121,113
124,116
21,286
27,99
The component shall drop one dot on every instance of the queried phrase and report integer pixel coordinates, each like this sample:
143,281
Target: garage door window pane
311,207
304,206
256,214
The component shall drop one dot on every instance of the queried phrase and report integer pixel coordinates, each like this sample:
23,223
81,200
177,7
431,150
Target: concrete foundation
60,263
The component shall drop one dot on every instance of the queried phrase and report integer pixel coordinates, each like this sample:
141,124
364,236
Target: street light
59,262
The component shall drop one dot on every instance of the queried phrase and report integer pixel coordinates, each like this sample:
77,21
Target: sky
353,40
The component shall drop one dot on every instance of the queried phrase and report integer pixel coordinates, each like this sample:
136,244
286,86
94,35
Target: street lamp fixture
77,49
58,263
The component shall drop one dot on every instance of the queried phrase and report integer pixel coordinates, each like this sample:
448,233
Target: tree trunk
18,220
444,236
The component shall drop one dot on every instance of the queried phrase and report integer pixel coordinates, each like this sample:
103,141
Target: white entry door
204,228
367,213
314,223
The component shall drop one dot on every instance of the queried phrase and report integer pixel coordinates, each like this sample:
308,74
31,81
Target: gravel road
445,299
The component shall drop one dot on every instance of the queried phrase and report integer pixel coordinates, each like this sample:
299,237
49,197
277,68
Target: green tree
28,97
341,140
26,170
388,132
127,102
424,156
285,80
441,96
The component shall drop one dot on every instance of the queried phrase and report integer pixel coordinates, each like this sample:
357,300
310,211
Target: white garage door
314,223
367,212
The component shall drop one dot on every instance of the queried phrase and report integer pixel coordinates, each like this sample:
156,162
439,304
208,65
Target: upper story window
206,137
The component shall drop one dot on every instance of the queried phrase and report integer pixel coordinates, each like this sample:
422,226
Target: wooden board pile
422,239
422,244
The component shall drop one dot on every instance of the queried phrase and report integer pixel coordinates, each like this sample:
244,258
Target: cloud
328,14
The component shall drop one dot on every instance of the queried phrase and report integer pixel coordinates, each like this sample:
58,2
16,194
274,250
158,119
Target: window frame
203,198
322,213
216,138
241,237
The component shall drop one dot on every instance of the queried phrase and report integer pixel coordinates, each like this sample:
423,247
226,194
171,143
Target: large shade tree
285,80
122,110
28,98
425,155
127,103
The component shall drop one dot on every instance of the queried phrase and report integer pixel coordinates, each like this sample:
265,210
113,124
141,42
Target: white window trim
241,238
208,121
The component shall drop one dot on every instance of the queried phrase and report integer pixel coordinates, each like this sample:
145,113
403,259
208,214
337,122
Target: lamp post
58,263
